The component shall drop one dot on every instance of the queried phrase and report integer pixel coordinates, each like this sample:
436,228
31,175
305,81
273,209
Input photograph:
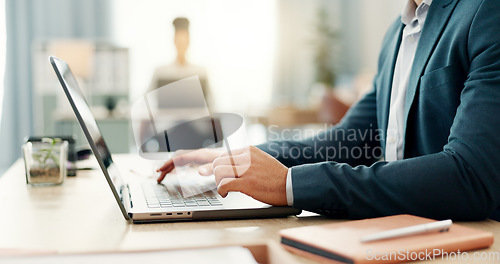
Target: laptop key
203,203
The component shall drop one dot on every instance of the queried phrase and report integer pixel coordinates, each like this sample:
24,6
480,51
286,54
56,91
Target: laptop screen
90,128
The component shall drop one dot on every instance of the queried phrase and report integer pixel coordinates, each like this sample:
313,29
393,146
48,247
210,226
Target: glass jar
45,161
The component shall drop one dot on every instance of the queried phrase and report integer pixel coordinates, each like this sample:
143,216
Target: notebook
341,242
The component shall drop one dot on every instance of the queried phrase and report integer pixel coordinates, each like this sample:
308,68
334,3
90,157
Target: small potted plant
45,161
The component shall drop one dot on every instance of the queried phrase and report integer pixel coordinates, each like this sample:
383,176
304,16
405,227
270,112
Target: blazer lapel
437,18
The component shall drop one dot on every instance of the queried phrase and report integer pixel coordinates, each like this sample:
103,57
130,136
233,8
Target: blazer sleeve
461,182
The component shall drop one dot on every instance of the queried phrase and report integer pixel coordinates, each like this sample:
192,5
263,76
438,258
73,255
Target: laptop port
155,214
179,213
169,213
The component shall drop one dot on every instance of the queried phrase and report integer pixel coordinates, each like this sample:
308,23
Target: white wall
376,16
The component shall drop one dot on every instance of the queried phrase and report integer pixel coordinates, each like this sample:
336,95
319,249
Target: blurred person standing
180,68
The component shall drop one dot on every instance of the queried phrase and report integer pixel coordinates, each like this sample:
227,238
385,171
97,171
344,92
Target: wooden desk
81,215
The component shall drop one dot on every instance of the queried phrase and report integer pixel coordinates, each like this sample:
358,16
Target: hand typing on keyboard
202,157
250,171
159,196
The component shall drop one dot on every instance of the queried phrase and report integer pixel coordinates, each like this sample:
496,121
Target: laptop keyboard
157,196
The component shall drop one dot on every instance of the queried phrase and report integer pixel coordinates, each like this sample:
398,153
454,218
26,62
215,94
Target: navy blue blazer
451,165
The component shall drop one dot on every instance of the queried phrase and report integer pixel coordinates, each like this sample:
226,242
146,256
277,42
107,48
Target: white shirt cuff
289,188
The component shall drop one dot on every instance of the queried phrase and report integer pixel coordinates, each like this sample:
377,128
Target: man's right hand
202,157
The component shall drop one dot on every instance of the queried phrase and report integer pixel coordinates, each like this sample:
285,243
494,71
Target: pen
441,226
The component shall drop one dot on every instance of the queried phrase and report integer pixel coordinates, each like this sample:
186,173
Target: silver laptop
143,200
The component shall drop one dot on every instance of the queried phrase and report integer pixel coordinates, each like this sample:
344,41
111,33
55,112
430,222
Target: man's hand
201,156
250,171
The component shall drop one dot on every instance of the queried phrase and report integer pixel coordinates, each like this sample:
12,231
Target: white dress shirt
414,18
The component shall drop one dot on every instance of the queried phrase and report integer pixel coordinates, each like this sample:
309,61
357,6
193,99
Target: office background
259,57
